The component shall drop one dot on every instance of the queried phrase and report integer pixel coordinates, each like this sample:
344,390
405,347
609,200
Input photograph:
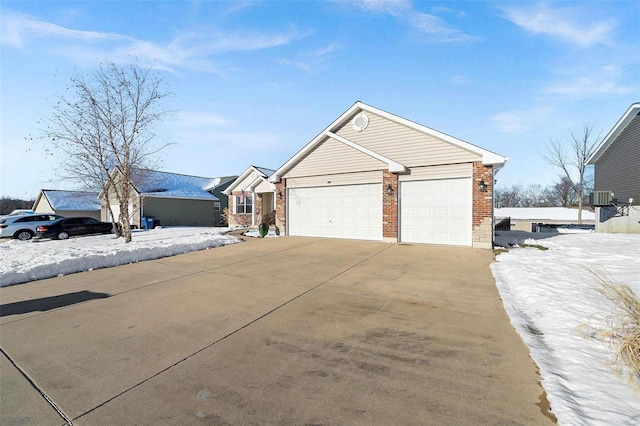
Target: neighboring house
375,176
172,199
251,198
68,203
522,218
617,170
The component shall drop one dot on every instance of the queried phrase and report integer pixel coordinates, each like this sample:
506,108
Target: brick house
251,198
376,176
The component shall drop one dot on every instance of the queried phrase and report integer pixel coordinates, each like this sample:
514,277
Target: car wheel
62,235
23,235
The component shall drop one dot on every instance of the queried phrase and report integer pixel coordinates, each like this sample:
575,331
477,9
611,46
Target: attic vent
360,122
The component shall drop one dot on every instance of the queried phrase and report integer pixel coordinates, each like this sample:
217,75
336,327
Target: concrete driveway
271,331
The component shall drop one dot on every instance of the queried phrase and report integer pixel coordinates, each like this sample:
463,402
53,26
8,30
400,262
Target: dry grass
621,329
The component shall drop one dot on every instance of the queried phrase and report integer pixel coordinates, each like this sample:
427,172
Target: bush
621,329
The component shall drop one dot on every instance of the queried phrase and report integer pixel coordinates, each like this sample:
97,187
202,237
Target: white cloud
425,27
566,23
435,29
302,66
459,79
391,7
520,121
186,50
17,29
581,84
199,119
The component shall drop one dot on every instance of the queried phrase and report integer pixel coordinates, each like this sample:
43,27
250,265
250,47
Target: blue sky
253,82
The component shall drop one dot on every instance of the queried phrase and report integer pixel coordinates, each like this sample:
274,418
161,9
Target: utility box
601,198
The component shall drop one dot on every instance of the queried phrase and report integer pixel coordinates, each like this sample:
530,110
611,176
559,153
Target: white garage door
351,211
436,211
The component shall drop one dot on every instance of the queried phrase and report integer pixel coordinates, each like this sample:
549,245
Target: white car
23,227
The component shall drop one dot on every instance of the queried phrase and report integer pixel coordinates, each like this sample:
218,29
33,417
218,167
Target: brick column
482,221
257,208
281,206
389,206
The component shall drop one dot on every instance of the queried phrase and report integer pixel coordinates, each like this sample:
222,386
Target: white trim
243,176
394,167
488,158
622,123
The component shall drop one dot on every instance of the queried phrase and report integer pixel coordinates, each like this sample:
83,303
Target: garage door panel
436,211
351,211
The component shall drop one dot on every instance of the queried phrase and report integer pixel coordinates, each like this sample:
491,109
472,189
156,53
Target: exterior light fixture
280,195
482,186
389,190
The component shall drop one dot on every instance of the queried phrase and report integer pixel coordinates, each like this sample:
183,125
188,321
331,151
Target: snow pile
24,261
551,300
256,234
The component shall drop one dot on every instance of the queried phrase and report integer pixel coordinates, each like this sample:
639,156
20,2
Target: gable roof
624,121
261,174
488,157
70,200
153,183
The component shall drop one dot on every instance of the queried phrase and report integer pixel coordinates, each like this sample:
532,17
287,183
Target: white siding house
377,176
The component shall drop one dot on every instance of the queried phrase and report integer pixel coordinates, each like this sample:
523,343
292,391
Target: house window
216,206
243,204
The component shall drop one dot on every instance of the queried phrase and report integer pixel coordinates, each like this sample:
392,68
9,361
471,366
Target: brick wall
389,206
281,205
482,219
242,219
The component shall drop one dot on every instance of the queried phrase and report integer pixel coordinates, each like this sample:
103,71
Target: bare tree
571,158
508,197
563,193
106,123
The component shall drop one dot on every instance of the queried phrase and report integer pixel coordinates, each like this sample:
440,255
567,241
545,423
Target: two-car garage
347,211
436,211
372,175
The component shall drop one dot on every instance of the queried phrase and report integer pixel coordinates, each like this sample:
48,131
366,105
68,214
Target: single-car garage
436,211
373,175
346,211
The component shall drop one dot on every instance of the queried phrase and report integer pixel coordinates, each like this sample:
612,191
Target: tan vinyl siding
618,168
404,145
43,206
244,183
335,180
332,157
438,172
263,186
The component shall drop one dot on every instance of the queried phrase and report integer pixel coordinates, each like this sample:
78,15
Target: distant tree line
8,204
563,193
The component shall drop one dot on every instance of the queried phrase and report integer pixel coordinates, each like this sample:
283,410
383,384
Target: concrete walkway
270,331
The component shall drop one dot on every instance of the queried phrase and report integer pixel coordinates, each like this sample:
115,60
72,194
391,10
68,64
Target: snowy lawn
24,261
551,300
549,296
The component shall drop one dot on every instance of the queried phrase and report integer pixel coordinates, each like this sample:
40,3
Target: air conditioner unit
601,198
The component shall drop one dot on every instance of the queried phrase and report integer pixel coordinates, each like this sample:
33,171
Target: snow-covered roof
153,183
72,200
546,213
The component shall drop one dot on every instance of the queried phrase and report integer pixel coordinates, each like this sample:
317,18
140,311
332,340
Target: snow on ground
254,233
24,261
551,300
549,296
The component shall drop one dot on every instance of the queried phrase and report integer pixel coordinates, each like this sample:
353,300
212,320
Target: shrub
621,329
